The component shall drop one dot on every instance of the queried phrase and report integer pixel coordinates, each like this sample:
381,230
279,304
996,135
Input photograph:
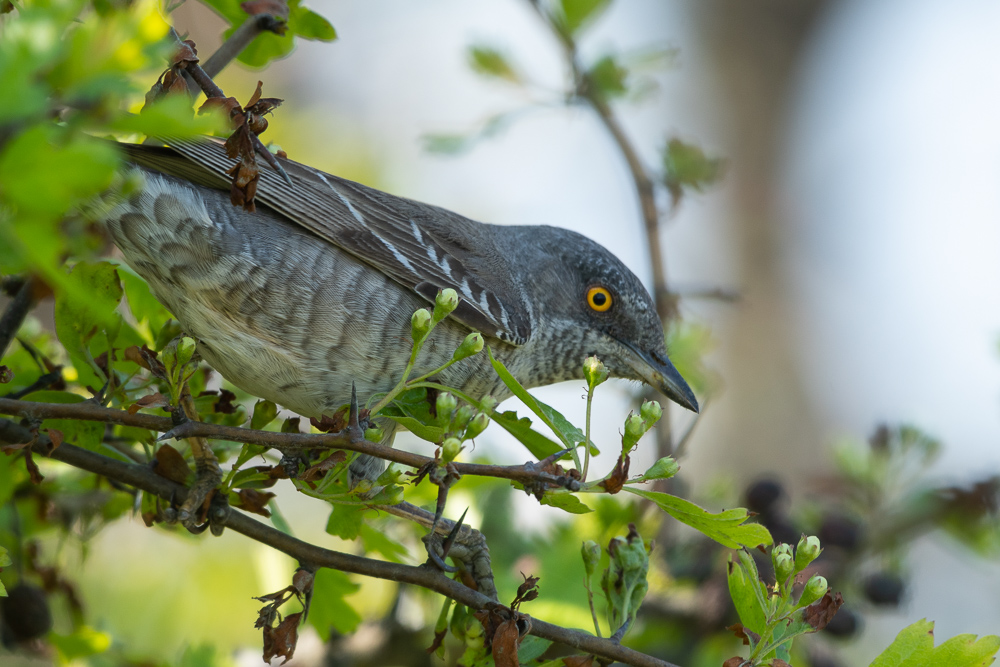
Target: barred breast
279,312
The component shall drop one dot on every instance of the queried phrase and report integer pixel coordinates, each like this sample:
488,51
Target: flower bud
806,552
462,418
594,372
374,434
420,324
487,404
784,567
445,303
816,588
634,428
477,426
783,561
450,448
591,552
445,404
473,344
650,412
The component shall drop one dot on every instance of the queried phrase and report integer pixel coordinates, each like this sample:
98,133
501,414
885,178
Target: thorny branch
141,477
283,442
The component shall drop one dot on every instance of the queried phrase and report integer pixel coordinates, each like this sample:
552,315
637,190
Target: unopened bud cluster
460,423
636,425
788,563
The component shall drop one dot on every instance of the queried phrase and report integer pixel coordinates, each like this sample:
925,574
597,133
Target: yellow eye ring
599,299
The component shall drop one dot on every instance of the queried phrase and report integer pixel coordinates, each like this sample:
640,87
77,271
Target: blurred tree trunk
764,421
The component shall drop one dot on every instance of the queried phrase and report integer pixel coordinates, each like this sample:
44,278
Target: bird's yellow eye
599,299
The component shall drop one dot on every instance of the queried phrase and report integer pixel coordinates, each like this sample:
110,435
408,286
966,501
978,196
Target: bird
314,291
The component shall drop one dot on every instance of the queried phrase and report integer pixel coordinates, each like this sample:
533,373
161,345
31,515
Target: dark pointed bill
657,371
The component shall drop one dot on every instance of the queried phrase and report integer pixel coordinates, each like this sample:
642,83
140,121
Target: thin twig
239,40
141,477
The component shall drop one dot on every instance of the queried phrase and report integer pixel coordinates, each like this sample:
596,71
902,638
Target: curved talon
436,560
195,528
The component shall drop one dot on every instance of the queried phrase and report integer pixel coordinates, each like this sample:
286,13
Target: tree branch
15,313
283,442
142,477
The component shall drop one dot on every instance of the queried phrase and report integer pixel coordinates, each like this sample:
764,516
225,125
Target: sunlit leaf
577,14
566,502
686,166
329,610
491,62
914,647
728,528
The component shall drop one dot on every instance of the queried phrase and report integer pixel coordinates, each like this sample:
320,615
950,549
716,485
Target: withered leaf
6,375
619,475
820,613
778,662
186,52
735,661
150,401
744,634
170,464
438,640
319,470
280,641
146,358
252,500
505,643
579,661
56,436
225,405
33,472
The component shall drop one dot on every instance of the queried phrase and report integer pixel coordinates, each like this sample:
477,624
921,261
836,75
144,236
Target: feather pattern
418,246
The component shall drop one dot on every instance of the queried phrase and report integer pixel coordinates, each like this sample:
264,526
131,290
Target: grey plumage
315,290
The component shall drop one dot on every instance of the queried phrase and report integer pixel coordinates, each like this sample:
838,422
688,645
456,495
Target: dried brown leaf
6,375
578,661
149,401
619,475
56,436
820,613
735,661
170,464
505,643
225,405
280,641
438,640
318,471
252,500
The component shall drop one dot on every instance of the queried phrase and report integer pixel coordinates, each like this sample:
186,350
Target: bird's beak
656,370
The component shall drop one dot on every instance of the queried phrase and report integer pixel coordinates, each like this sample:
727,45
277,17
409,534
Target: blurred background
858,221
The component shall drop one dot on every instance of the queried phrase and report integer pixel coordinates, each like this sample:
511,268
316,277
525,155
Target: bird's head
589,303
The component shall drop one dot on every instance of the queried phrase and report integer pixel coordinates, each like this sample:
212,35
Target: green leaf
329,610
539,445
86,434
345,521
307,24
914,647
747,590
576,14
83,642
608,77
665,468
566,502
491,62
376,541
173,116
570,435
531,649
85,307
144,306
5,561
727,528
687,166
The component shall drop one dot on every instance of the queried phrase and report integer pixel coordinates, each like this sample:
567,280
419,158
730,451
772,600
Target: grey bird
315,290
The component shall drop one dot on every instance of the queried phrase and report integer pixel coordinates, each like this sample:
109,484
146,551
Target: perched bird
316,289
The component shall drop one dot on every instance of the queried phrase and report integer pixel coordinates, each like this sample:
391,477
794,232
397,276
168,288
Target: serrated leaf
539,445
376,541
914,647
173,116
728,528
746,590
329,610
85,307
345,521
567,502
570,435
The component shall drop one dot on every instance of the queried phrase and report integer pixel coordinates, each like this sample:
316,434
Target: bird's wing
419,246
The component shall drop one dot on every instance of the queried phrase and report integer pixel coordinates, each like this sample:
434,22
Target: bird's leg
208,474
468,548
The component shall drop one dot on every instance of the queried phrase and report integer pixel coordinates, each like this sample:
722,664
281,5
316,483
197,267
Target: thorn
352,421
450,540
552,458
